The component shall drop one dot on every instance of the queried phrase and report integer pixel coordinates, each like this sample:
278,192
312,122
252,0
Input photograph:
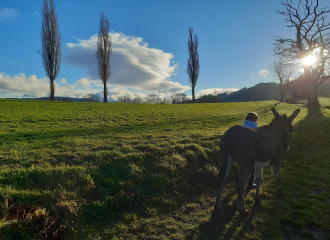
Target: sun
309,60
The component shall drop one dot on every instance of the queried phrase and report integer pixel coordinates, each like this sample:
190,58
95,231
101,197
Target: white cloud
117,92
133,64
84,82
9,13
263,73
20,85
213,90
63,81
113,97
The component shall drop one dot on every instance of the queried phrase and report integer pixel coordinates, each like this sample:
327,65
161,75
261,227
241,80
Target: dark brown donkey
253,148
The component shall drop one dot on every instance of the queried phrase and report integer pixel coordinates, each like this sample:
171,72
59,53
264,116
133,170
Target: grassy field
139,171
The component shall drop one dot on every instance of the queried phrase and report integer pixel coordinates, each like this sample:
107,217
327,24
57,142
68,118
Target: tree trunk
52,90
281,92
312,88
312,96
105,92
193,94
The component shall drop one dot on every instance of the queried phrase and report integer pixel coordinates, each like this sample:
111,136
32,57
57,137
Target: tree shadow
138,183
311,127
266,108
106,131
315,113
231,226
310,135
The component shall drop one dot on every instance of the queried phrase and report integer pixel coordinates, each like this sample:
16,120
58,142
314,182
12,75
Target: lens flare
309,60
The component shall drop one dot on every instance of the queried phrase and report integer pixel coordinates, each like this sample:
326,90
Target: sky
149,46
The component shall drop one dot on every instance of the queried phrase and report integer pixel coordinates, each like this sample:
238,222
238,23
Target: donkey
253,148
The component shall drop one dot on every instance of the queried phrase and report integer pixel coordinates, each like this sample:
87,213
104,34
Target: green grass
139,171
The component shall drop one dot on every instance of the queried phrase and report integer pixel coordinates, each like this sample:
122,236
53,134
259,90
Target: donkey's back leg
220,189
245,168
276,171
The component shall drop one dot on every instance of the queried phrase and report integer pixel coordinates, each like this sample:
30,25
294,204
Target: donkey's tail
224,154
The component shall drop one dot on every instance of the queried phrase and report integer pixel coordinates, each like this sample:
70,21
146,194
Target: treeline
296,90
178,98
155,99
299,89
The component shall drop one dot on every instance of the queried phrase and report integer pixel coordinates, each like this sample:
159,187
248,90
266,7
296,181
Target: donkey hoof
216,214
257,200
244,213
280,193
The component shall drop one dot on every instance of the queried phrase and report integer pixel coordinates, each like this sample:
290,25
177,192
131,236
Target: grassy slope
125,171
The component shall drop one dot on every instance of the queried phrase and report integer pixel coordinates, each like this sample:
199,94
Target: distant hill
71,99
259,92
67,99
271,91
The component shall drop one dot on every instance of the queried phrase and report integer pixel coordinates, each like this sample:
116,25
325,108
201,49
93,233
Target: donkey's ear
294,115
275,112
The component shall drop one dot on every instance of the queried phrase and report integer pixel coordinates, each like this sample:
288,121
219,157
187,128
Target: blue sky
149,49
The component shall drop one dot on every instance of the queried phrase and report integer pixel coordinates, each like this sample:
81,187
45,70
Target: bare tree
179,98
125,99
103,53
183,97
283,73
153,98
93,97
137,99
149,98
311,42
193,61
166,100
157,99
51,44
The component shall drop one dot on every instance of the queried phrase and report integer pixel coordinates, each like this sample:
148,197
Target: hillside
259,92
271,91
78,170
71,99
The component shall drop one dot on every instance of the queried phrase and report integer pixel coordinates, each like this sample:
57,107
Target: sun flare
309,60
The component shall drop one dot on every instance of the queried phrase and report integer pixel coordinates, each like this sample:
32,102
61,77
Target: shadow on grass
304,166
310,134
123,127
315,113
230,225
266,108
136,182
141,183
